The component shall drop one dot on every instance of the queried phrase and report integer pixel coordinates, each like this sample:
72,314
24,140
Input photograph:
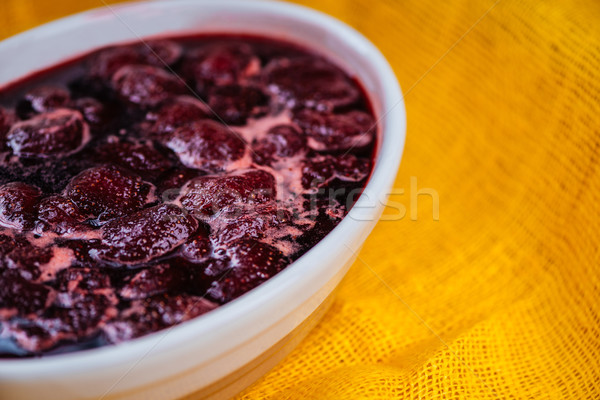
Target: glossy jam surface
144,185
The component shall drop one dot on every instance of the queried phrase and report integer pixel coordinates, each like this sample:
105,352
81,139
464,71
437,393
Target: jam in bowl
143,185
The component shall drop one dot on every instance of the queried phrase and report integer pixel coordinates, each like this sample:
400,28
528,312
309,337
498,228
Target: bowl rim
356,225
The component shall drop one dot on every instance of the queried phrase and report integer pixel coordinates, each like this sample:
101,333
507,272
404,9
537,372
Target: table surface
482,279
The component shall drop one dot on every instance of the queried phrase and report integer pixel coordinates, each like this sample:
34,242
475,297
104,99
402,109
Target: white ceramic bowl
220,353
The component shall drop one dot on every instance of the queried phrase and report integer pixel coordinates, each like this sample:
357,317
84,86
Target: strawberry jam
143,185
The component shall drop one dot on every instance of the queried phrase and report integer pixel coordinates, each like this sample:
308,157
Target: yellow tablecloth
499,297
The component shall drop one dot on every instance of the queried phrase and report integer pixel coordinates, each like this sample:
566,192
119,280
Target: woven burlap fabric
497,297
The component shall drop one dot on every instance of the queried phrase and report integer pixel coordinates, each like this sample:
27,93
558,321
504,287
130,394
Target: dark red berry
82,313
106,62
107,192
310,82
7,244
278,51
255,222
220,64
207,195
17,205
154,313
198,247
92,110
33,334
171,183
336,132
319,171
153,280
352,169
234,104
140,158
181,308
253,263
215,267
146,85
161,52
177,112
145,235
29,260
46,98
206,145
18,241
59,214
53,134
7,118
279,142
18,293
202,274
82,279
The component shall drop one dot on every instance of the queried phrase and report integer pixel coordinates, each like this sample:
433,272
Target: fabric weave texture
497,297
